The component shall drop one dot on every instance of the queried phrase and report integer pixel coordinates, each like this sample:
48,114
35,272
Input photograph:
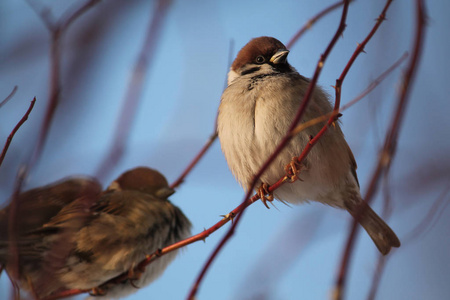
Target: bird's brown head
145,180
261,50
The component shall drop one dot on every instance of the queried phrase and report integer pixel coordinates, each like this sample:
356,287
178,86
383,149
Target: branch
16,128
312,21
388,150
9,96
213,136
196,159
56,30
12,220
280,147
135,85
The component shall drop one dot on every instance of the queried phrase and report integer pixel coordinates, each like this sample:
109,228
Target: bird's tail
381,234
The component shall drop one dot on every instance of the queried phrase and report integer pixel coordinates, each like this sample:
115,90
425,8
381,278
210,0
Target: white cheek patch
232,75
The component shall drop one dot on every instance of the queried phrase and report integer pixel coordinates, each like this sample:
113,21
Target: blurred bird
262,98
80,237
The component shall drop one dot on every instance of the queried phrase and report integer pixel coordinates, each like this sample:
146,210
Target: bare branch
57,30
311,22
213,136
388,150
16,128
196,159
133,94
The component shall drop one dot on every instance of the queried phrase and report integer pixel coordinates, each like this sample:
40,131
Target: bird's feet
98,291
293,168
134,274
264,194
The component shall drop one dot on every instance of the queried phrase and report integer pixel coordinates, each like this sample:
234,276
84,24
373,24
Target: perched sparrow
263,95
88,237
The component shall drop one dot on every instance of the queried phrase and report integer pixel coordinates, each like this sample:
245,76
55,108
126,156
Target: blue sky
286,253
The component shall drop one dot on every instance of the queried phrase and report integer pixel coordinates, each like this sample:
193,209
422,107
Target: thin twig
12,216
279,148
389,148
9,96
311,22
57,30
133,94
213,136
357,52
196,159
358,98
16,128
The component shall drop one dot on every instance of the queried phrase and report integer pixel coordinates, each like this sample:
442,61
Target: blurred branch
57,30
12,217
196,159
377,277
9,96
133,94
389,148
427,220
213,136
279,148
16,128
312,21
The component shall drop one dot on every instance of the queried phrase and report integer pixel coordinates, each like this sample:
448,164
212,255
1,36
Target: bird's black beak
279,57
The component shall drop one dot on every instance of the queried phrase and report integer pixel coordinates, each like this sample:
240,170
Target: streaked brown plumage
89,238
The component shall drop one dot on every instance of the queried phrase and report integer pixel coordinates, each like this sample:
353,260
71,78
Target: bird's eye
260,59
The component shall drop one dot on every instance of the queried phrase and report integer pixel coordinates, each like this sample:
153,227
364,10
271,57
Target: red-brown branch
196,159
357,52
213,136
312,21
16,128
12,217
133,94
57,30
388,150
279,148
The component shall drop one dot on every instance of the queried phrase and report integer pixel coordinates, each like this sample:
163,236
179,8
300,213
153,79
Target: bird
257,107
89,236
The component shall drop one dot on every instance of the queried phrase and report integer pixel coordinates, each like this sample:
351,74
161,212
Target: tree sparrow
263,95
87,237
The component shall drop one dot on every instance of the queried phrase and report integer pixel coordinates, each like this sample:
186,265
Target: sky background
284,252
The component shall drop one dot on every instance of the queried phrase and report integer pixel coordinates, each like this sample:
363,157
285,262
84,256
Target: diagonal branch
133,94
12,220
16,128
57,30
312,21
389,147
